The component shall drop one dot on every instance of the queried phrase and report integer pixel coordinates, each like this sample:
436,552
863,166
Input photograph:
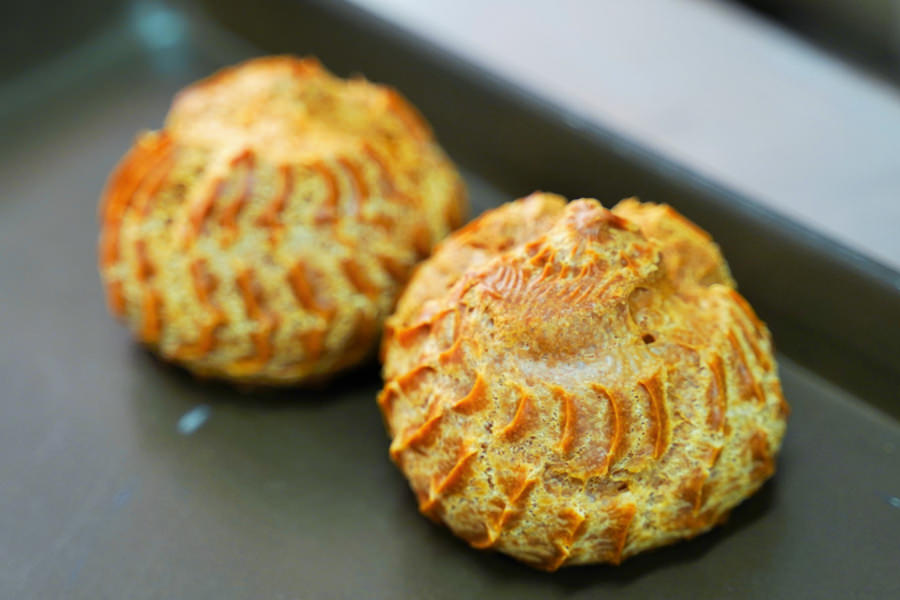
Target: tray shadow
209,390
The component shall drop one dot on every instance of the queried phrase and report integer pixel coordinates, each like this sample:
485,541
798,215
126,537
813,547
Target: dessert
263,234
568,384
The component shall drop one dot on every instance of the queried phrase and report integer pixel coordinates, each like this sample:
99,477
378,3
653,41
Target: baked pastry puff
568,384
263,235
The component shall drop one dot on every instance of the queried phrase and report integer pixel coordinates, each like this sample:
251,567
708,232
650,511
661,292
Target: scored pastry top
263,234
569,384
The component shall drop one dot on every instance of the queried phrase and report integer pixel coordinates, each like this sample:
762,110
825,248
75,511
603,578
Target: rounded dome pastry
264,233
568,384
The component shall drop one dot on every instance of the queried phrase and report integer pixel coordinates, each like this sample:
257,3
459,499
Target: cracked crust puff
264,233
571,385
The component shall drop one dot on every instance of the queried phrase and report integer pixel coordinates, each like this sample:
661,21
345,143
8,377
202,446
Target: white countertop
707,83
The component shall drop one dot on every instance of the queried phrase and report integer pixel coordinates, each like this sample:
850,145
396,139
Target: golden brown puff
570,385
264,233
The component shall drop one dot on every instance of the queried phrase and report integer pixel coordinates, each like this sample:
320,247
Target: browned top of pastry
294,109
569,384
264,233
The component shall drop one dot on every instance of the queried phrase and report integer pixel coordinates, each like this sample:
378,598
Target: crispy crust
263,235
570,385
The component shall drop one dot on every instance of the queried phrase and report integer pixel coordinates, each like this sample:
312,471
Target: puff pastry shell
264,233
570,385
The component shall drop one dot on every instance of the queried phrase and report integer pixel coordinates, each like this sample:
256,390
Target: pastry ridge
568,384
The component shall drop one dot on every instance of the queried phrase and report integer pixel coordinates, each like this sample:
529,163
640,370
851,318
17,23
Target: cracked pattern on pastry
570,385
264,233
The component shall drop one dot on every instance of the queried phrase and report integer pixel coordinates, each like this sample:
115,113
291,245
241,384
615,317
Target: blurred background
793,103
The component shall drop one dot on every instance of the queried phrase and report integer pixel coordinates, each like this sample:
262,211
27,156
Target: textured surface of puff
570,385
264,233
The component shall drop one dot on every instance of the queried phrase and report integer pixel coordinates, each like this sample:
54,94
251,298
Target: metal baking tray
122,477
